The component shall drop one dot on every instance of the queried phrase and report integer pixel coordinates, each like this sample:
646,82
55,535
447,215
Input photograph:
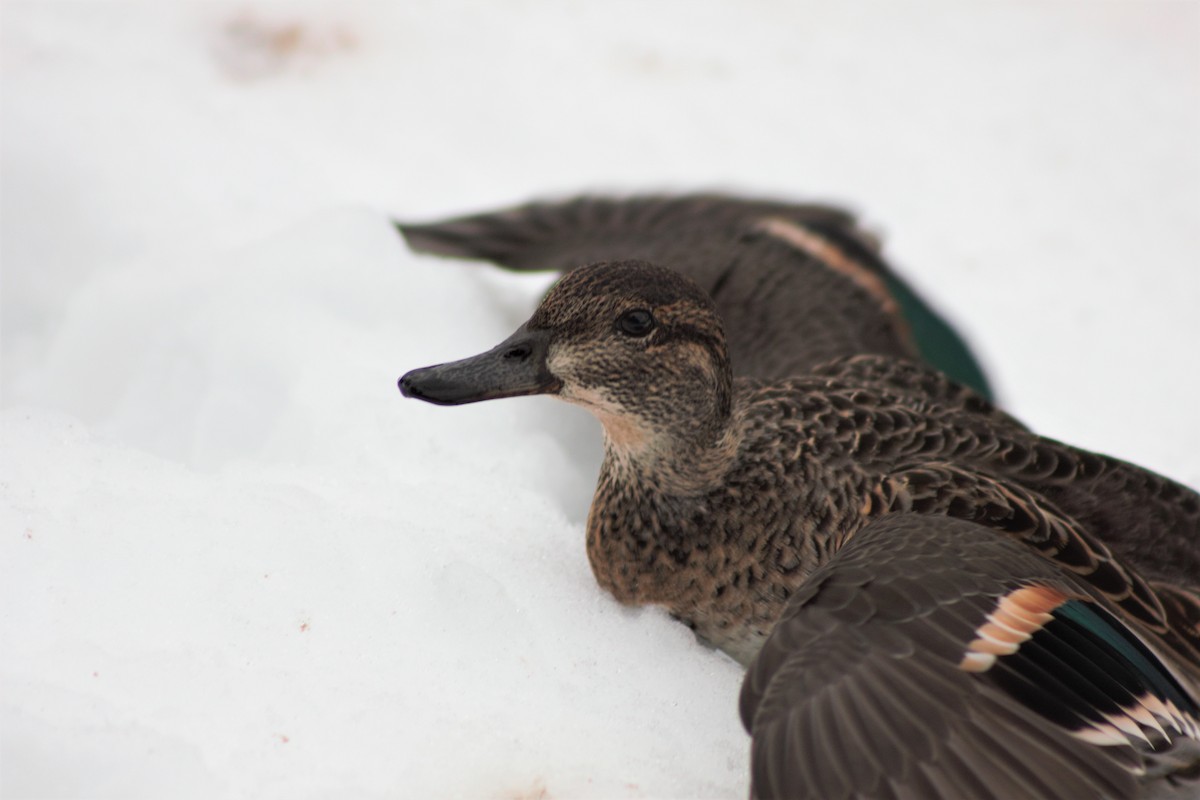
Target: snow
235,562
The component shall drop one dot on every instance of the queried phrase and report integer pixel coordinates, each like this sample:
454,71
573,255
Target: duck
931,600
797,284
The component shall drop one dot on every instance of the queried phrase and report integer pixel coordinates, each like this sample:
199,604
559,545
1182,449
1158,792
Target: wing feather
839,709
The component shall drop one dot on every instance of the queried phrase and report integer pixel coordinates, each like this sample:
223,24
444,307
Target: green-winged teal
951,605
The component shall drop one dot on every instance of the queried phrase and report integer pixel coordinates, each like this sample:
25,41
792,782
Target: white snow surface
234,562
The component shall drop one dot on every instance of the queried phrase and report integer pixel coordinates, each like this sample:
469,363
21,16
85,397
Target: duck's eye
638,322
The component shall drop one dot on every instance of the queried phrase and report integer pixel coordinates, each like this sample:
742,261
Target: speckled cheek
564,364
567,367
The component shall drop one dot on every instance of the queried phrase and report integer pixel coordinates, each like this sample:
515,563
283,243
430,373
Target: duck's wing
1148,520
673,231
796,284
931,658
1054,534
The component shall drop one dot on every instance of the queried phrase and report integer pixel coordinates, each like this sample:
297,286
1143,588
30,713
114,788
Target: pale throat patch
622,430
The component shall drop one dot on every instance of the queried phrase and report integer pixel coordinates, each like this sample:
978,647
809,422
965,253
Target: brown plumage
727,501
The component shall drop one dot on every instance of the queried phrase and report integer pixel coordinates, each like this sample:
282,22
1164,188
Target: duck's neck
686,456
652,493
674,435
669,466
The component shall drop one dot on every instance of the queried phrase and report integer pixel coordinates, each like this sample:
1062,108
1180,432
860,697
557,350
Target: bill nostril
520,351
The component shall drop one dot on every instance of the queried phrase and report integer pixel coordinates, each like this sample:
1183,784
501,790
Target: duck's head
639,346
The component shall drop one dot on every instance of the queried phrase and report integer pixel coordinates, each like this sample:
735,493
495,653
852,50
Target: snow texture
234,562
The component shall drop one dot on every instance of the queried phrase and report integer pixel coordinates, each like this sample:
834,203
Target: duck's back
1150,521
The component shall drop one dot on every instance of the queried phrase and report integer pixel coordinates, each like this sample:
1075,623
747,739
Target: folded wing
935,658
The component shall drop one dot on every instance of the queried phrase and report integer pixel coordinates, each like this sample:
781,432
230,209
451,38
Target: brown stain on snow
249,47
536,791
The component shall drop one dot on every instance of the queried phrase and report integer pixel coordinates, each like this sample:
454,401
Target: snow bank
359,601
